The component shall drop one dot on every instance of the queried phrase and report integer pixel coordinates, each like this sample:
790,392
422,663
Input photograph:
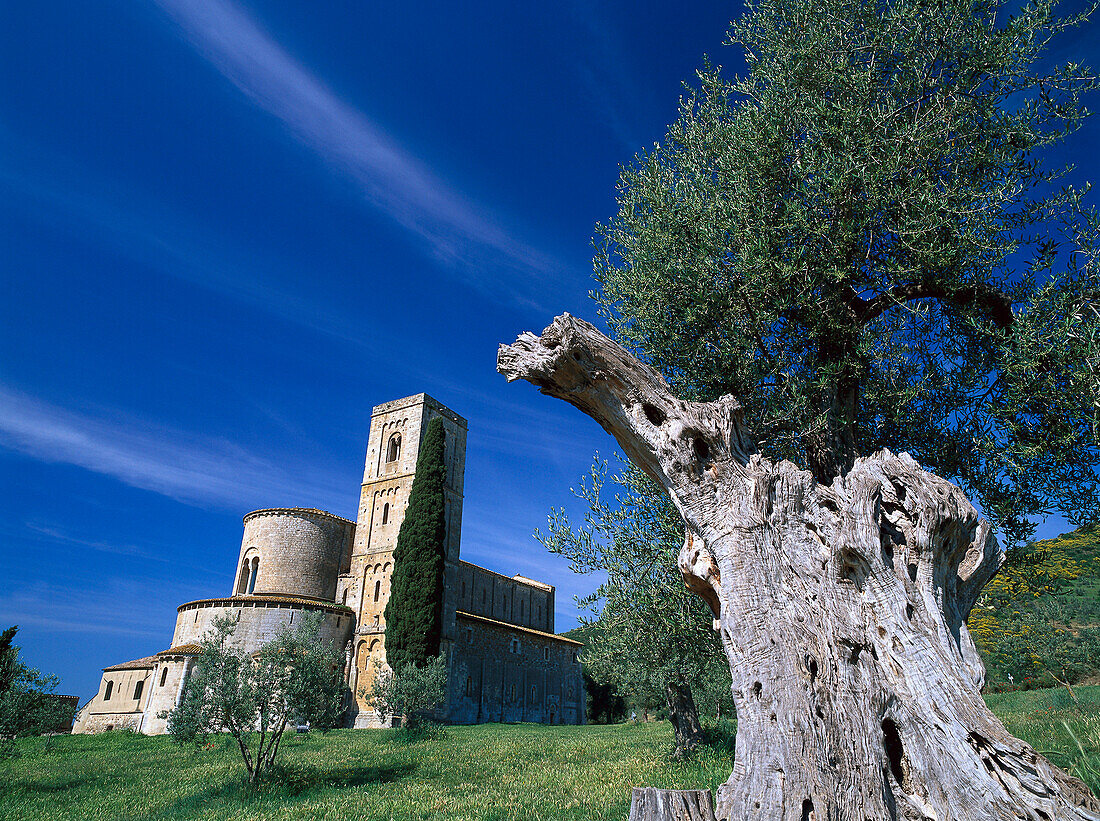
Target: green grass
489,772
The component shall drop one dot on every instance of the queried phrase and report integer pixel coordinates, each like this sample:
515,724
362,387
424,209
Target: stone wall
121,711
500,673
259,619
301,552
513,600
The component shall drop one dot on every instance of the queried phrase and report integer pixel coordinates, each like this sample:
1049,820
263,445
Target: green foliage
1038,621
603,703
414,612
410,691
859,239
27,704
503,772
649,632
254,696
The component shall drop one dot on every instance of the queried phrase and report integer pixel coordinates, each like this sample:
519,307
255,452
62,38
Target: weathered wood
651,804
841,608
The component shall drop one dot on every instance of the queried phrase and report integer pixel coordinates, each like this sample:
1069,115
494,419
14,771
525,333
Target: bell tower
396,431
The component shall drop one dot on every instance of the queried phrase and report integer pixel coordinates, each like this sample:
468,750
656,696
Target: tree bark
651,804
684,717
841,608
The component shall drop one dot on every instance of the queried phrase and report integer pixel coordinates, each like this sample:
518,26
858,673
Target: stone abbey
504,661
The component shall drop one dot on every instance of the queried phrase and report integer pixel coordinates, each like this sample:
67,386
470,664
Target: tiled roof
136,664
268,598
181,650
552,636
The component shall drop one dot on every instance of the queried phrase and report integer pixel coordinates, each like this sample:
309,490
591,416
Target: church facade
504,661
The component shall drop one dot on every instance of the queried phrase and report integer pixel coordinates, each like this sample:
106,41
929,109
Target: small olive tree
254,696
412,691
653,636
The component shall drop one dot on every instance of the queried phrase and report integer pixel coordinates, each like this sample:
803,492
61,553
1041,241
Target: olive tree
653,637
253,696
856,250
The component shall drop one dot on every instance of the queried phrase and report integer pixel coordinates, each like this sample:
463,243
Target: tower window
255,573
469,686
138,688
393,450
345,601
546,653
107,692
386,513
377,589
163,675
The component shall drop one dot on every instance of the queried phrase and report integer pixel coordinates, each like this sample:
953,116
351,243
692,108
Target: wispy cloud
189,467
389,177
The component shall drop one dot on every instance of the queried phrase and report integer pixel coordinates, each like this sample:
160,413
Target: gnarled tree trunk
684,717
842,608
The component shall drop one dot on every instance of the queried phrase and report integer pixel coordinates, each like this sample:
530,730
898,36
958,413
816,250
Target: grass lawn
489,771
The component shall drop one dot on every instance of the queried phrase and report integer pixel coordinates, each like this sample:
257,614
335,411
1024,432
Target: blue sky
231,228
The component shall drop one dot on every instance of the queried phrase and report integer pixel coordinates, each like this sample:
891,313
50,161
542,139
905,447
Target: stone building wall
259,619
515,600
166,687
298,552
498,672
121,711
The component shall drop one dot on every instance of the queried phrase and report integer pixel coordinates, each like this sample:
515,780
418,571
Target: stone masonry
504,661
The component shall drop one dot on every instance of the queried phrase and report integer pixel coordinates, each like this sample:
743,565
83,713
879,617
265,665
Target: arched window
386,567
164,675
255,572
377,589
138,688
393,450
386,513
107,692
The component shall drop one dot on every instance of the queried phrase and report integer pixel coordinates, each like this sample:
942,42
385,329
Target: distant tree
414,612
28,706
653,638
412,692
254,696
604,705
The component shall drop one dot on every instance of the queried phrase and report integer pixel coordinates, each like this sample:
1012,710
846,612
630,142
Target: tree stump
651,804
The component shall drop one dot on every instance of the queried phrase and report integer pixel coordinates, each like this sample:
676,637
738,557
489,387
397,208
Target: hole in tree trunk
891,740
913,572
756,688
909,612
654,415
811,665
701,448
807,809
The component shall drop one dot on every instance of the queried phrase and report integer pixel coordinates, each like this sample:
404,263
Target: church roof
267,599
462,614
181,650
136,664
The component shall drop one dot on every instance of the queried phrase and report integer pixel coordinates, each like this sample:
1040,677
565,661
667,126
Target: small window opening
163,675
521,611
377,589
138,688
512,693
469,686
546,653
393,451
107,692
386,513
345,598
255,573
469,635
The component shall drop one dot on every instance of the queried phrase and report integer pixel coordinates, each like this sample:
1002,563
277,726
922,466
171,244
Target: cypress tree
414,612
